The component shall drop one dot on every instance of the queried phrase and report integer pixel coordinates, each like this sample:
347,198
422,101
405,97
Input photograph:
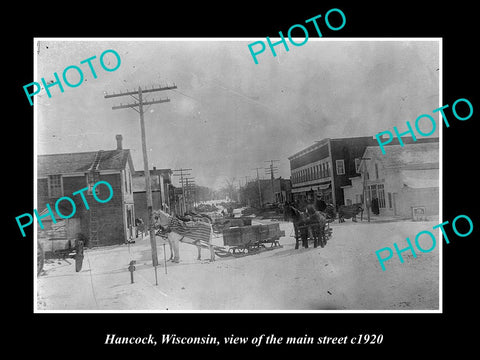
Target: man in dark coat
320,204
375,207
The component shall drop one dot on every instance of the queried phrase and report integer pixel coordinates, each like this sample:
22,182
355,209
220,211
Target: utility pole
140,103
365,186
181,170
259,188
271,171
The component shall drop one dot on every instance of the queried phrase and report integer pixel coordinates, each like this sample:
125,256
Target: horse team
196,229
313,222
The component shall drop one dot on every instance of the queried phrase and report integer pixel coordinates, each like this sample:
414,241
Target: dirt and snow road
345,275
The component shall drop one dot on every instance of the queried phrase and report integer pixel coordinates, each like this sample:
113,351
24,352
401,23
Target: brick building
328,165
61,175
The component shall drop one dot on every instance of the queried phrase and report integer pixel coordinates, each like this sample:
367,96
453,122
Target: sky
229,115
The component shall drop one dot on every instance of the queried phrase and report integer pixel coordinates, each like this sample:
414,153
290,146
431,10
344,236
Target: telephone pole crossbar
135,92
126,106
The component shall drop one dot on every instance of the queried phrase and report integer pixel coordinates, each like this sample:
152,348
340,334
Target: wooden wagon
243,240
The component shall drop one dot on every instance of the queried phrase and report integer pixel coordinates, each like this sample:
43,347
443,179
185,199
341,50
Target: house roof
418,179
68,163
409,156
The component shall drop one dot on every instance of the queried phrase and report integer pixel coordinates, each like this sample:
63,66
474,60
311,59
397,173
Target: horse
316,222
198,233
300,225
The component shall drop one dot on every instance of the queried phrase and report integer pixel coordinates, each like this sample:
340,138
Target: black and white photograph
185,179
179,175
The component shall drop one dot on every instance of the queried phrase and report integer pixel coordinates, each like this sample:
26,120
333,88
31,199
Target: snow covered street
345,275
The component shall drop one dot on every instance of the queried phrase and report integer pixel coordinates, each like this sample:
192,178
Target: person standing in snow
80,242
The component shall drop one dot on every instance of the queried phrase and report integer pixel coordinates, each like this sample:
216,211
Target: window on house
357,165
381,196
340,167
389,200
376,171
328,169
55,186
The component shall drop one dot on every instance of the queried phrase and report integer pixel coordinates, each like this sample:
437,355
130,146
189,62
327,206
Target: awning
324,186
311,187
419,179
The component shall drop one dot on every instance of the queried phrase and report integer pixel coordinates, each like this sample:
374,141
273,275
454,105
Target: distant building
405,181
61,175
282,190
251,196
324,167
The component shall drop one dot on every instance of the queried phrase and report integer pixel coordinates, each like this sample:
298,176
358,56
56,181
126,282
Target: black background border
84,334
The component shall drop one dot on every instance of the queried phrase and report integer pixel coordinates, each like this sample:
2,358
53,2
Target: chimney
119,142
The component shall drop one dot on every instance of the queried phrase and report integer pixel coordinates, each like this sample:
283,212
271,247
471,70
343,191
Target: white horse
198,233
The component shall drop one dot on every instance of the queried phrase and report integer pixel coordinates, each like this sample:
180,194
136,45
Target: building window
376,171
55,186
357,165
328,169
381,196
340,167
389,200
378,191
92,178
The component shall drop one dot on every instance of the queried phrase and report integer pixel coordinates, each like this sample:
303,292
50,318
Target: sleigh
245,240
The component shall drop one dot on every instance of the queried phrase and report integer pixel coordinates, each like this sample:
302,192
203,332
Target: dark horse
304,223
316,222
